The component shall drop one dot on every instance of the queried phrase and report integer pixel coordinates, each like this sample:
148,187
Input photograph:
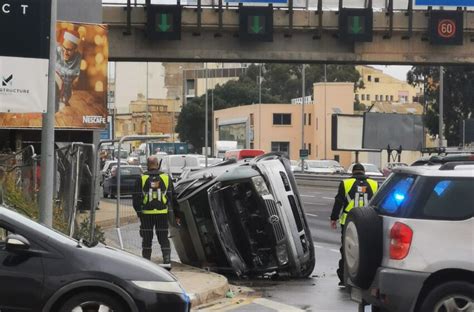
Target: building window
381,97
282,119
387,98
357,97
316,123
336,158
251,145
376,97
283,147
376,79
309,148
304,119
391,98
368,97
190,88
317,152
369,78
363,97
251,119
309,119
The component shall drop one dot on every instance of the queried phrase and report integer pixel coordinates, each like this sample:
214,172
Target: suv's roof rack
453,164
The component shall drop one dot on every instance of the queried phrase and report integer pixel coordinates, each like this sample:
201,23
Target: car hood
111,261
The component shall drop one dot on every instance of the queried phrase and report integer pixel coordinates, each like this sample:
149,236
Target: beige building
278,127
380,87
163,115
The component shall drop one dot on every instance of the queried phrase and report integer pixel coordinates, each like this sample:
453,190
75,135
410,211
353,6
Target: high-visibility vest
155,194
360,199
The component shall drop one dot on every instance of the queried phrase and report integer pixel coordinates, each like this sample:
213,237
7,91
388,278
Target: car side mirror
16,242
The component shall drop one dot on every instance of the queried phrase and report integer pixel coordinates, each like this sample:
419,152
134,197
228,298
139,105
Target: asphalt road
320,292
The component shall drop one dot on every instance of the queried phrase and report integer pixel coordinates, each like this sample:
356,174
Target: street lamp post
303,86
206,121
325,116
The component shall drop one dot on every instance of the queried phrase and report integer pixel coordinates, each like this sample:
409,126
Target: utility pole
325,117
206,121
147,108
303,86
47,133
441,107
260,106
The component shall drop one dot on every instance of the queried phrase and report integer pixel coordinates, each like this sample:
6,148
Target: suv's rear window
420,197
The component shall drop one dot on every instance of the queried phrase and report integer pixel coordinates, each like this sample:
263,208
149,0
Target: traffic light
446,27
256,23
164,22
356,25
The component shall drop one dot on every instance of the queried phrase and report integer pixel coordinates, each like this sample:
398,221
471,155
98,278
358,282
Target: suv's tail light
400,241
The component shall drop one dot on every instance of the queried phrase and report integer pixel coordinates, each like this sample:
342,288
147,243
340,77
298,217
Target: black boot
146,253
166,259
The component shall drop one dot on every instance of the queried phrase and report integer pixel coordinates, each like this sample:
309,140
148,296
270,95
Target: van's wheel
450,296
93,302
362,244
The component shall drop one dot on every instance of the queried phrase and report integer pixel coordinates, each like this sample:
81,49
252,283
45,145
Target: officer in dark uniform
152,198
353,192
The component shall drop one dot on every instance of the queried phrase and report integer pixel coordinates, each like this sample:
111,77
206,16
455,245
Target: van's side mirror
16,242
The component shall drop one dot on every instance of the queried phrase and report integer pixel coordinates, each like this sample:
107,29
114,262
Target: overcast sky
397,71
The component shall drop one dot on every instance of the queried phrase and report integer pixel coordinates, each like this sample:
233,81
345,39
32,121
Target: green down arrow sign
355,25
164,25
256,28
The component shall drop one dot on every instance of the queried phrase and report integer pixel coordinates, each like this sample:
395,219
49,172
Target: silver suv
412,249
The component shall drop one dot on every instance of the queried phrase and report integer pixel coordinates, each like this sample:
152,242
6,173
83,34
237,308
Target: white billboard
347,133
23,85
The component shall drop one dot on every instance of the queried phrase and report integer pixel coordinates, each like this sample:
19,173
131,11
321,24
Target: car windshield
371,168
51,233
126,171
318,164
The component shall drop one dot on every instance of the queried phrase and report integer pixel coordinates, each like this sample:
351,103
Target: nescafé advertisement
81,80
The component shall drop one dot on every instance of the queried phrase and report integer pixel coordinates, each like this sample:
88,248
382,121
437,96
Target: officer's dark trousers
150,224
340,270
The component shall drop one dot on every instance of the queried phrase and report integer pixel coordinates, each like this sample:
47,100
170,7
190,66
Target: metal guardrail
328,177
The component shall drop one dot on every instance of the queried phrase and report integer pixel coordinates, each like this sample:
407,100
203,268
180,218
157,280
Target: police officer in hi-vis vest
152,197
353,192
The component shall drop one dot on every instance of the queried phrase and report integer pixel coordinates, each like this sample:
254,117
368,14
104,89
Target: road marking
325,247
307,196
276,305
311,215
315,204
330,198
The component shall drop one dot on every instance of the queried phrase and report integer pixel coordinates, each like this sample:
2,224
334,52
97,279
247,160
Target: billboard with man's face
80,80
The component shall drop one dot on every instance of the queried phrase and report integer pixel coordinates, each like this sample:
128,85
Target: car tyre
450,296
362,245
93,301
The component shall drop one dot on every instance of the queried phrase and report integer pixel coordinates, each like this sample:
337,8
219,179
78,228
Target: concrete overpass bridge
399,37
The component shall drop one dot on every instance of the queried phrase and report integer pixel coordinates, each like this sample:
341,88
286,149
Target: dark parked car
44,270
244,218
128,178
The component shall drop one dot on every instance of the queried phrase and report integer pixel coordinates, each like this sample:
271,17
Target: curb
202,286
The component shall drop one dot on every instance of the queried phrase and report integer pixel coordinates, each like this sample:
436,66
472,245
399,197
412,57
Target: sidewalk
202,286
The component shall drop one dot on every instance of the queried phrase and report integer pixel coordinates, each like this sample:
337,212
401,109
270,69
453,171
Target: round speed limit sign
446,28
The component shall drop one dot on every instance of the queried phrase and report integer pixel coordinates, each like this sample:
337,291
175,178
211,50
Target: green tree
458,97
280,83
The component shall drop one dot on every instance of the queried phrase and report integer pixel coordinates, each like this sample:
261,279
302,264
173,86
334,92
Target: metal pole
302,113
464,133
212,120
47,134
206,121
441,107
325,117
147,109
260,107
